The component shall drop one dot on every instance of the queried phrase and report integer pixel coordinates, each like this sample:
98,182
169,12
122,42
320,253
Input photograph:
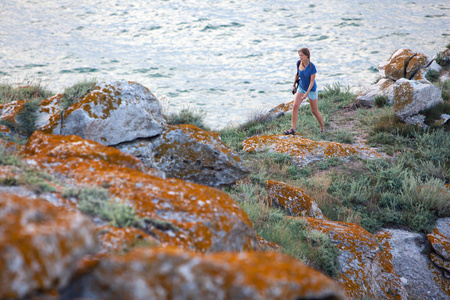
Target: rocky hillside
105,200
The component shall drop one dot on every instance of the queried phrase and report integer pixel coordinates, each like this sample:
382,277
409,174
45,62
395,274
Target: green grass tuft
96,202
71,94
9,92
381,101
188,116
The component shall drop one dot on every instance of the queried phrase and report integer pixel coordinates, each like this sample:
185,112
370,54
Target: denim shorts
312,95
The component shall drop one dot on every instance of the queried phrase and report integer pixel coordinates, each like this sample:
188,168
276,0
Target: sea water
229,59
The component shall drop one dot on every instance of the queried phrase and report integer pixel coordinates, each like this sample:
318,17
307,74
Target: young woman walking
307,88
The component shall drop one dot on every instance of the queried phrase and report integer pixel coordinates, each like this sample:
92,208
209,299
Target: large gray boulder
403,63
189,153
114,112
411,97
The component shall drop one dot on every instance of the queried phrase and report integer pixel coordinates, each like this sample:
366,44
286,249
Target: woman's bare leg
297,101
315,110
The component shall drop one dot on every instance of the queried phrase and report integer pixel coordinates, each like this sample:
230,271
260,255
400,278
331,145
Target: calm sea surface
228,58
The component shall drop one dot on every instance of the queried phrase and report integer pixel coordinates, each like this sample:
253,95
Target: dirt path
347,119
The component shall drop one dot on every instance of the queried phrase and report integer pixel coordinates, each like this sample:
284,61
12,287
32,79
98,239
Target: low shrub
381,101
432,75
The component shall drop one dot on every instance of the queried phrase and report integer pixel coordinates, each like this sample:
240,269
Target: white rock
115,112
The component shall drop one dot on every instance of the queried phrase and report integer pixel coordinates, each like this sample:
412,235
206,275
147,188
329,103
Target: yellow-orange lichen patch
203,218
5,129
10,111
440,243
73,147
105,97
396,66
265,245
366,271
116,240
442,282
10,146
305,150
50,114
40,245
294,200
255,275
403,96
417,62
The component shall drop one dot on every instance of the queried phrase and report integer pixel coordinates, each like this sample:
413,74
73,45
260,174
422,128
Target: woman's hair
306,52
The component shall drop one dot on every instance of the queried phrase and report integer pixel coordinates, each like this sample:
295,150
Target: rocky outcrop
175,274
200,218
40,245
403,64
384,87
411,97
114,112
440,242
192,154
294,200
128,116
366,270
303,150
411,260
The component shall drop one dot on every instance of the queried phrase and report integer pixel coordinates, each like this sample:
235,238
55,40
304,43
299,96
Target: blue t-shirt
305,76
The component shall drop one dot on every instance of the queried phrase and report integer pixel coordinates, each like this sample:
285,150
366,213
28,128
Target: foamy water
229,58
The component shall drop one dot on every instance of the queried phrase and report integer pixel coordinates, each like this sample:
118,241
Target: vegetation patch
97,203
187,116
294,235
29,91
71,94
332,98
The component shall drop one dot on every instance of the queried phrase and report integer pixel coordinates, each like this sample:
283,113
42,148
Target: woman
307,88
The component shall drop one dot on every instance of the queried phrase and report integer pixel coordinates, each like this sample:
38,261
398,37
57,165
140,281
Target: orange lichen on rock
366,271
265,245
203,218
159,273
5,129
116,240
9,111
396,67
190,153
305,150
403,95
40,245
49,114
417,62
440,242
294,200
72,148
